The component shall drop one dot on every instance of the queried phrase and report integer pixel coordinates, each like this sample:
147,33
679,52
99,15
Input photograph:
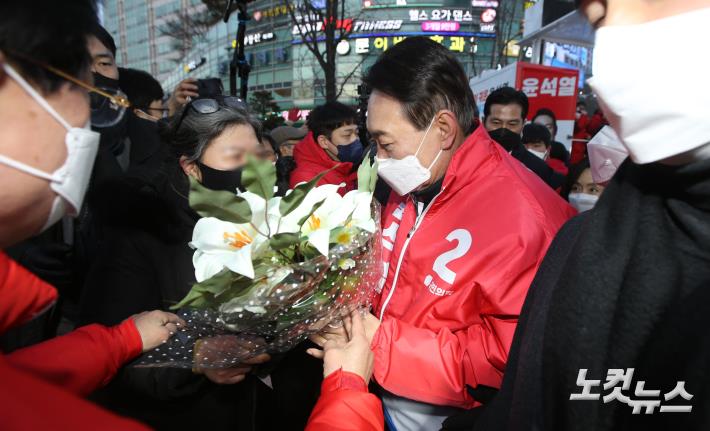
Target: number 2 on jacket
464,240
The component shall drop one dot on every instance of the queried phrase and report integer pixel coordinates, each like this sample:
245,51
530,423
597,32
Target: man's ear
190,168
323,142
448,128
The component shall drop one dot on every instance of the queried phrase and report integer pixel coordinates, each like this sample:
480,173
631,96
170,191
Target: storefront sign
440,26
456,15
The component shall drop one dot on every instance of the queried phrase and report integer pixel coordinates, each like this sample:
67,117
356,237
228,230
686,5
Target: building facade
282,63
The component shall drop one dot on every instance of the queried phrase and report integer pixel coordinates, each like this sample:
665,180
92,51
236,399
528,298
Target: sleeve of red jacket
83,360
345,405
436,366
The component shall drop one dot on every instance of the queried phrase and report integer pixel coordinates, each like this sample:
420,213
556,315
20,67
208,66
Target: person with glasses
144,92
147,260
46,157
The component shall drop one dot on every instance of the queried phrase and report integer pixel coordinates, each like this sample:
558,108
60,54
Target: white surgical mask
606,154
406,174
582,201
657,106
540,154
70,180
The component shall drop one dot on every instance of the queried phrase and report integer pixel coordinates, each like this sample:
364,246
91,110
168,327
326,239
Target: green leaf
291,201
220,204
373,177
284,240
367,175
259,177
315,207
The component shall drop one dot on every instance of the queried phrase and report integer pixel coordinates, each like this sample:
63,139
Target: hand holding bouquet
272,270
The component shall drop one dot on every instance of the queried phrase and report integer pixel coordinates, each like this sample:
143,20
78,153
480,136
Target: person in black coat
504,116
619,306
147,260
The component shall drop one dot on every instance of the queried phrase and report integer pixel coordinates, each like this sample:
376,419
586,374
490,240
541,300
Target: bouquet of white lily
272,270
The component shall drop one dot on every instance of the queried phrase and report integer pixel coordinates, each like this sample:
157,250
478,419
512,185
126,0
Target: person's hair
197,130
547,112
535,133
140,87
104,37
575,171
271,142
426,78
324,119
47,31
507,96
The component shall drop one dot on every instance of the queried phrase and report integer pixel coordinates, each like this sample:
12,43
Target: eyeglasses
117,99
210,106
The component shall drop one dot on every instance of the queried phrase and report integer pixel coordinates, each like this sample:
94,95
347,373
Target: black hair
104,37
191,137
535,133
547,112
273,143
426,78
575,171
140,87
507,96
324,119
47,31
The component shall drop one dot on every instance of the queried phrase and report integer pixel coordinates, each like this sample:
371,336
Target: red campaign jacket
456,279
557,166
311,160
41,385
345,405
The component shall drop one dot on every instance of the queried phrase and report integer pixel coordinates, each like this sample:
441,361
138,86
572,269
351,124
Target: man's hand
352,354
186,88
336,330
155,327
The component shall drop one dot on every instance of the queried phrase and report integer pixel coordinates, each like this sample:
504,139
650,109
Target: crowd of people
511,262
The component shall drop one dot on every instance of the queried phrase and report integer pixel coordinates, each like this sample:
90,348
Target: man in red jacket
332,144
46,156
464,232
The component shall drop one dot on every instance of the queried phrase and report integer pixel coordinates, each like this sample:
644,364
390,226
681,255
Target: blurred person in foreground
623,290
46,154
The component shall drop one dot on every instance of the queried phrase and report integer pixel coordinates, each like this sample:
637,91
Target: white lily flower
360,203
220,244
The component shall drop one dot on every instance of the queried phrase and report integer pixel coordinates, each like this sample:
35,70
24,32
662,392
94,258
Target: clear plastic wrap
275,317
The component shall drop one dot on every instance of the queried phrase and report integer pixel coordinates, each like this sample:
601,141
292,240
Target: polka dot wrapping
314,294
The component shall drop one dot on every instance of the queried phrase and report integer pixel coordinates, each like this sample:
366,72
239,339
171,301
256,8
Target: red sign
549,87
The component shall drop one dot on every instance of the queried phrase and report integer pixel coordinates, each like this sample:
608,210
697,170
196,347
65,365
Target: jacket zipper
410,234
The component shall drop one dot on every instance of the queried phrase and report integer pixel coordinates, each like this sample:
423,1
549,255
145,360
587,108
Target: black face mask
507,139
214,179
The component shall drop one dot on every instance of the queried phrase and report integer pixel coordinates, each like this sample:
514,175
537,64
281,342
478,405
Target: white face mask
405,175
540,154
657,106
606,154
70,180
582,201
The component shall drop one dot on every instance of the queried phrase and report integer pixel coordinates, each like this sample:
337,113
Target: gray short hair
197,130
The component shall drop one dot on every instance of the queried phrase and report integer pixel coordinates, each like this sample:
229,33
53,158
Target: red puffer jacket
345,405
457,273
41,385
311,160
